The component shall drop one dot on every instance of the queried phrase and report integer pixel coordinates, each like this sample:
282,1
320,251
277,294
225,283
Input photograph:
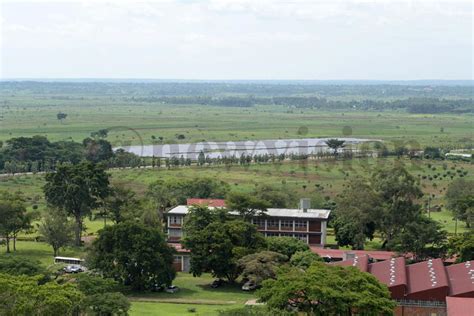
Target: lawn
161,309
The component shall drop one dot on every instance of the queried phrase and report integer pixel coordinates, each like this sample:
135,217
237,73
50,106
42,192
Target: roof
273,212
461,278
460,306
361,262
390,272
208,202
426,275
342,253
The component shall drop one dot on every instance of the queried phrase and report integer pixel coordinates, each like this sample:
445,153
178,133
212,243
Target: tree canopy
133,254
287,246
327,290
460,198
261,265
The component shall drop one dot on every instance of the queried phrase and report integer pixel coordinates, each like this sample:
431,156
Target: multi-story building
303,223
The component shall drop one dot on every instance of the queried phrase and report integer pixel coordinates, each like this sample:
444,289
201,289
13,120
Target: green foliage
261,265
23,295
304,259
327,290
255,311
14,217
107,304
460,198
462,246
246,205
134,255
77,189
120,204
217,242
358,208
335,144
275,197
57,230
97,150
20,266
287,246
423,237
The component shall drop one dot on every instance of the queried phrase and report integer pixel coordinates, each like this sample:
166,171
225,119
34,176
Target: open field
136,123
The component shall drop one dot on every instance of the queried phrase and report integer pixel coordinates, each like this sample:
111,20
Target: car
249,286
217,283
172,289
73,268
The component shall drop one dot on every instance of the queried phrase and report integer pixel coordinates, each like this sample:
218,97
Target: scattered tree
57,230
335,144
261,265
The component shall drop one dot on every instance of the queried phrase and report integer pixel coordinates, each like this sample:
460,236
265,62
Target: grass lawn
161,309
39,251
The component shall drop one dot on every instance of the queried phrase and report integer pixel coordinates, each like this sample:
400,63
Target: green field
136,123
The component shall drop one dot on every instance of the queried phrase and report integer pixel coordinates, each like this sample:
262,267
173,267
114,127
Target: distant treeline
76,89
412,105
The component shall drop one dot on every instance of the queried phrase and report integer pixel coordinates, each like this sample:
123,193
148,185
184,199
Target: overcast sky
238,39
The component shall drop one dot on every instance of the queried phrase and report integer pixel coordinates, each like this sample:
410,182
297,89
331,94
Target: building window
272,223
260,222
273,234
300,224
175,232
285,224
302,237
175,220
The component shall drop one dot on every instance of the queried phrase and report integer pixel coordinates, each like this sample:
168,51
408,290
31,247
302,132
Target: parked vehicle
249,286
217,283
74,268
172,289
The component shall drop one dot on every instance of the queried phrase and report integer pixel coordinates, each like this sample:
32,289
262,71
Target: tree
20,266
335,144
97,150
25,295
61,116
460,200
398,193
423,237
274,196
287,246
102,296
248,206
14,217
327,290
357,209
134,255
118,202
217,241
77,189
261,265
462,246
201,158
57,230
304,259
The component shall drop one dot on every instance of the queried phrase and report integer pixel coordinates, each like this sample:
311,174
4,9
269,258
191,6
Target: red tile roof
460,306
461,279
390,272
340,253
208,202
361,262
427,280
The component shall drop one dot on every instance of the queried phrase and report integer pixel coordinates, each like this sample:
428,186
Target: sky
237,39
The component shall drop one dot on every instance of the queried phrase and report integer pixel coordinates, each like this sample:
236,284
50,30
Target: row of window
284,223
303,237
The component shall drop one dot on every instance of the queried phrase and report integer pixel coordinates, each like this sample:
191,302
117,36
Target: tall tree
398,192
460,198
97,150
261,265
357,209
77,189
462,246
287,246
57,230
335,144
246,205
217,241
14,217
134,255
327,290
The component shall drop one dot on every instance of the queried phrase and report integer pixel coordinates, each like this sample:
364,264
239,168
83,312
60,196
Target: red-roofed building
207,202
461,279
427,281
460,306
361,262
393,274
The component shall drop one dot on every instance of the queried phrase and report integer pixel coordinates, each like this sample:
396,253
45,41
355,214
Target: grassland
136,123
